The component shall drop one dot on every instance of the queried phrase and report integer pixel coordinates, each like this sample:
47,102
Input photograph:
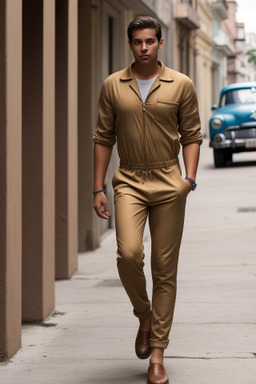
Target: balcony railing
225,3
223,43
186,14
221,7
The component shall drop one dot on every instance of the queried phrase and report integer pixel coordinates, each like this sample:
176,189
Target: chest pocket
165,111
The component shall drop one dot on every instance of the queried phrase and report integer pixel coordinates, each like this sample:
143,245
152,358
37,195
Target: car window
239,96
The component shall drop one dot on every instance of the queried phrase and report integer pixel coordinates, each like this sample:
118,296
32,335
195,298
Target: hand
189,185
100,205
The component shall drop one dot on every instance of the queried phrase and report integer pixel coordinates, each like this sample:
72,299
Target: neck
145,72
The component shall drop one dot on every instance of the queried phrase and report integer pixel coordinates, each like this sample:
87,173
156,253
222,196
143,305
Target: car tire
220,158
228,155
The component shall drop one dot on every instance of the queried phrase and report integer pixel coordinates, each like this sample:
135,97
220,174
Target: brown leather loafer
142,344
157,374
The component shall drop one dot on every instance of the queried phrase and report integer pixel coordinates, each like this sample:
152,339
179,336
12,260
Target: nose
144,47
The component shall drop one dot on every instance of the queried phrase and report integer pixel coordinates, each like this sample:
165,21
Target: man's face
145,45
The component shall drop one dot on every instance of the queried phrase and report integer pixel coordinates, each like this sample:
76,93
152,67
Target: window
239,96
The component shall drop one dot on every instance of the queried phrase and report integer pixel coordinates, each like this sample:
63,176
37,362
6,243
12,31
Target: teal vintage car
233,125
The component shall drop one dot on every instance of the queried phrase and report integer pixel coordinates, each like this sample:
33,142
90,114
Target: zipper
145,158
144,133
144,128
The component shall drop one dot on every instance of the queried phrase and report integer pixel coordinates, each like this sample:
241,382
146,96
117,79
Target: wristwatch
193,183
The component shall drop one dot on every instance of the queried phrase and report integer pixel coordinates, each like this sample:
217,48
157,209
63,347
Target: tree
252,56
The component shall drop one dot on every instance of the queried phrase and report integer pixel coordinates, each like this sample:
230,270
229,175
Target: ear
130,45
160,44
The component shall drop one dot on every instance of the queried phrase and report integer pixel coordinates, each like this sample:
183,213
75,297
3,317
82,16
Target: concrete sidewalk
90,337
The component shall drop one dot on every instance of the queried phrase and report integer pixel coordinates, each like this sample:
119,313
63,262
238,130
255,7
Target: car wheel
228,155
220,158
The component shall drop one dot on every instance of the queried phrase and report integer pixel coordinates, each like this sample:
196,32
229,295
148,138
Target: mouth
145,56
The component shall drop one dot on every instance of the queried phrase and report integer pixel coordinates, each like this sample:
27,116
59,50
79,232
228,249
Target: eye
151,41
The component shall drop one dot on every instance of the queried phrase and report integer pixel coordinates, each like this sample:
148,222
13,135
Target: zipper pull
143,107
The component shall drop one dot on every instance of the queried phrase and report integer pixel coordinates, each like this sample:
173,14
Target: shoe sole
144,357
167,382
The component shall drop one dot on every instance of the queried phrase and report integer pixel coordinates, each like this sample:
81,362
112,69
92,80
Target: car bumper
220,142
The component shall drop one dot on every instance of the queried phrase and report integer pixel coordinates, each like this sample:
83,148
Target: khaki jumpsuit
149,183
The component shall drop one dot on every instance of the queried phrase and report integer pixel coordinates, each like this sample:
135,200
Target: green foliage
251,56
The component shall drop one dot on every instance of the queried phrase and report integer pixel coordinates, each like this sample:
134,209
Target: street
90,337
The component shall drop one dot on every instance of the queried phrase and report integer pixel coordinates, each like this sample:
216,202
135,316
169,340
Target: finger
105,209
100,211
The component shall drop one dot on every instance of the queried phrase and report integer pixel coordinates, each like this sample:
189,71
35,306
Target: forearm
191,157
102,155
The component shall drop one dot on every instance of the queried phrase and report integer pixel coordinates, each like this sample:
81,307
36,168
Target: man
150,110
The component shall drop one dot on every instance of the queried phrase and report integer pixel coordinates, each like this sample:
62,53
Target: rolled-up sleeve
105,132
188,117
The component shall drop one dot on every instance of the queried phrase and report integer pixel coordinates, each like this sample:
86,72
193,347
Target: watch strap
192,182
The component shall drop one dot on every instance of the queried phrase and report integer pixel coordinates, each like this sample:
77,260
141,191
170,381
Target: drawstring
144,174
144,177
148,169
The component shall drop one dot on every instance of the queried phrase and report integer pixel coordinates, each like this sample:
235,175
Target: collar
165,73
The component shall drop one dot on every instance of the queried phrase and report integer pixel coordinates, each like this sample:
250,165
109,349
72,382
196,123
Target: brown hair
143,22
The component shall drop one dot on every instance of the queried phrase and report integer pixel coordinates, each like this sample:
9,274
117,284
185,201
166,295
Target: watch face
194,186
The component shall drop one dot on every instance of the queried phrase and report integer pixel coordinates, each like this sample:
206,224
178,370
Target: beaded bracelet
100,190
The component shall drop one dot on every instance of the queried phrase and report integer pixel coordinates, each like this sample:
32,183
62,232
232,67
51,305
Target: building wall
66,140
185,23
204,45
10,176
236,61
223,47
27,161
88,90
38,159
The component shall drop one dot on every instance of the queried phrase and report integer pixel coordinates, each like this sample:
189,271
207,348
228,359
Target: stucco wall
10,176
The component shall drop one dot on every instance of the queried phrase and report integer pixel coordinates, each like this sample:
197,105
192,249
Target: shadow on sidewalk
117,372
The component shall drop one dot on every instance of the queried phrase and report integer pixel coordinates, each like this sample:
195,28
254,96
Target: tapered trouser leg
161,197
131,215
166,226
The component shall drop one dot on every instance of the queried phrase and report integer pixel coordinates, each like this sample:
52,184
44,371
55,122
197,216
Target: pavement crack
43,324
57,313
216,323
212,358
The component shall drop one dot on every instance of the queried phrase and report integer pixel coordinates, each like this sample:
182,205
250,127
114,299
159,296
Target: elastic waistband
146,167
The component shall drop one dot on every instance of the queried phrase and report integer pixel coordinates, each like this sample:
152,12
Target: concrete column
88,91
38,146
10,176
66,137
